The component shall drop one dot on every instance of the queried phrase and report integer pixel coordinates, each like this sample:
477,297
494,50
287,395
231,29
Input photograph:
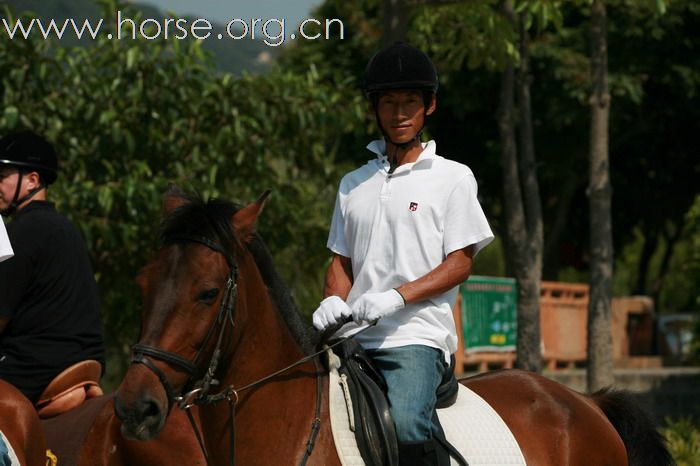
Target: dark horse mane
212,220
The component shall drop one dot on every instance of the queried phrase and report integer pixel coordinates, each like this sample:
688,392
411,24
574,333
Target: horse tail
645,445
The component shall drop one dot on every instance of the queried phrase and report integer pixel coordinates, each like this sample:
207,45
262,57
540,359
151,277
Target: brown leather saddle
70,389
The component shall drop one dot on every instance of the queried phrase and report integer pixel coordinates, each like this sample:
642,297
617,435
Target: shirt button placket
385,193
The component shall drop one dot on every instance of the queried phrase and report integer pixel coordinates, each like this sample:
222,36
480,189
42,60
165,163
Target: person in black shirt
49,304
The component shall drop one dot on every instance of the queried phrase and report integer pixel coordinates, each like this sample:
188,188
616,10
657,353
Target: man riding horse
405,230
49,304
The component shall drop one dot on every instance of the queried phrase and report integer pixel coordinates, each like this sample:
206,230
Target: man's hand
330,312
372,306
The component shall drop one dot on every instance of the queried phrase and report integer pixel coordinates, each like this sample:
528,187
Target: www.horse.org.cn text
271,31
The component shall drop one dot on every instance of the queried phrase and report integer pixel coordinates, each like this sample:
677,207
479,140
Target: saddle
70,389
371,417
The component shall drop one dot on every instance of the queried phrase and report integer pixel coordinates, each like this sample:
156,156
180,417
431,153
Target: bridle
197,393
226,312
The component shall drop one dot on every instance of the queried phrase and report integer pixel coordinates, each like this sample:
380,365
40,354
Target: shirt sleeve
336,236
465,222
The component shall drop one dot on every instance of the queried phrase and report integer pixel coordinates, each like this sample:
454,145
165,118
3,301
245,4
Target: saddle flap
374,427
70,388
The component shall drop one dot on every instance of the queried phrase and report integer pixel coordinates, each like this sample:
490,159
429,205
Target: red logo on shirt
413,206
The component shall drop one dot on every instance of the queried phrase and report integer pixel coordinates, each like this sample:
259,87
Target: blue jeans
413,374
4,454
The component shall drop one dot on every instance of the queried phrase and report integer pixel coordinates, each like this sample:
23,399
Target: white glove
372,306
330,312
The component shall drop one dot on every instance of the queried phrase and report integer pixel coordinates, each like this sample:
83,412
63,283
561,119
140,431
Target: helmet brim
48,174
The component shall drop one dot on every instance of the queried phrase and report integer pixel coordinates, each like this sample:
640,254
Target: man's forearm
454,270
338,278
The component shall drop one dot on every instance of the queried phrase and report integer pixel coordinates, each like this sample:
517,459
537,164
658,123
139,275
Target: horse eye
208,295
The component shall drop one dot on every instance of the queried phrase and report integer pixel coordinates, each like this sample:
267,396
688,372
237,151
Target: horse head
192,308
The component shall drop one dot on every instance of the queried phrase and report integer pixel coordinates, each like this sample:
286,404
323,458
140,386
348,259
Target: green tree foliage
683,440
340,60
127,117
654,167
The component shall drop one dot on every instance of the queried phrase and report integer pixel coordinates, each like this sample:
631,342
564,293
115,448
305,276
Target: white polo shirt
396,228
5,246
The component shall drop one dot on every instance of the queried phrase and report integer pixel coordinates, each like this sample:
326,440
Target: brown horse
20,425
216,310
89,435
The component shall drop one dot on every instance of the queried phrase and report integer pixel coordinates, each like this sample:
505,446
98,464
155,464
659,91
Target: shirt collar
378,147
34,205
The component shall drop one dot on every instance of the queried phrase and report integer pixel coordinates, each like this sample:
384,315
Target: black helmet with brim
400,66
27,150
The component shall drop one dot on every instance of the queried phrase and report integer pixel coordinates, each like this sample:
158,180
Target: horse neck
263,341
263,345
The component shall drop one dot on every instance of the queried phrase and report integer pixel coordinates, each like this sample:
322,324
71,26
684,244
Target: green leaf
10,115
661,6
132,56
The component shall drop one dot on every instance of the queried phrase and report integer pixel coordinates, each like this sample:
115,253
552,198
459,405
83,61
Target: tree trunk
395,21
522,212
600,364
530,275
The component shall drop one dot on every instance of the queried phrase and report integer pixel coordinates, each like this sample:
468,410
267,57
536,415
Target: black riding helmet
400,66
28,152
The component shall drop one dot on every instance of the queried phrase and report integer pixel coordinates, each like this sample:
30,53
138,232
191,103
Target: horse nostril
142,419
150,409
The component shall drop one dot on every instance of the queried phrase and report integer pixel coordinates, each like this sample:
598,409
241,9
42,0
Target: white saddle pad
471,425
6,448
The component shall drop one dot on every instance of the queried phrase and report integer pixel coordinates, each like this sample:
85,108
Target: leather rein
198,393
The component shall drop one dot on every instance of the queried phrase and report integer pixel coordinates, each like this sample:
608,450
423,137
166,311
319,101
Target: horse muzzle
142,413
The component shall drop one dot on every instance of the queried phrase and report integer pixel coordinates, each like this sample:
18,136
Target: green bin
489,307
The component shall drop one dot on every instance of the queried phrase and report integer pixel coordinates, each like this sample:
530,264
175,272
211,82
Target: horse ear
244,219
173,198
